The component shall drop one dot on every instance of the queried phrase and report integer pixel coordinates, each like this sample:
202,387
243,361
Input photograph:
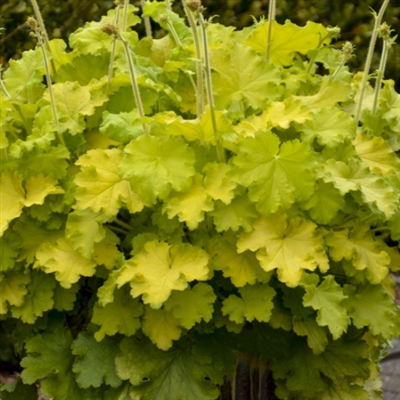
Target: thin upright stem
147,24
210,96
113,49
196,40
44,34
271,17
378,19
4,89
135,86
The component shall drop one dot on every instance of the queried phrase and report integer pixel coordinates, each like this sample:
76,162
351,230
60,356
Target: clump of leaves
169,204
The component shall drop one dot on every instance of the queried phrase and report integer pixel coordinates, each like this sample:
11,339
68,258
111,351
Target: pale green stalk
147,24
347,53
125,17
363,85
113,49
4,89
271,17
209,90
196,40
387,44
135,86
44,33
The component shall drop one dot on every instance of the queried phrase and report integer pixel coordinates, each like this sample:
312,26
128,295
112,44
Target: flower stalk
147,24
384,33
36,31
113,30
209,90
378,19
271,18
191,6
347,53
44,35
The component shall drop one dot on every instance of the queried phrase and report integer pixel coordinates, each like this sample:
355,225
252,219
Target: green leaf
330,127
16,390
218,182
38,299
355,176
95,361
286,40
242,77
288,247
66,262
160,268
161,327
370,305
49,356
156,165
164,375
276,176
243,268
10,247
192,305
317,336
85,228
119,316
100,187
255,303
359,247
191,205
328,298
12,290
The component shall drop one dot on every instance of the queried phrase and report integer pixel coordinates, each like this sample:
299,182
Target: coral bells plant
207,215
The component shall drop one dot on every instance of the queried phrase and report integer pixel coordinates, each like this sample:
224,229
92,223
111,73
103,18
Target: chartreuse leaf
355,176
160,268
190,206
329,126
85,228
122,127
331,373
218,182
243,268
49,356
328,298
64,299
370,305
242,77
10,247
239,214
12,289
279,114
276,175
99,186
325,203
376,153
290,247
74,102
24,76
192,305
95,361
359,247
286,40
106,251
157,165
14,197
254,303
38,299
67,263
164,375
161,327
119,316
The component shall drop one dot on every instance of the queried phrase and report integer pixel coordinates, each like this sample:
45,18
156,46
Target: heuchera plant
177,209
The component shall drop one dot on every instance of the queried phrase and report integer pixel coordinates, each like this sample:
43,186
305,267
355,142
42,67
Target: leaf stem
3,88
44,33
125,16
271,17
147,24
209,91
196,40
123,224
363,85
113,49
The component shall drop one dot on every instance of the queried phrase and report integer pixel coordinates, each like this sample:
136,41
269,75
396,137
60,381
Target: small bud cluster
110,29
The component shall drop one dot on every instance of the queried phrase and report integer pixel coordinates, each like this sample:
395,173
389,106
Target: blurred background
353,17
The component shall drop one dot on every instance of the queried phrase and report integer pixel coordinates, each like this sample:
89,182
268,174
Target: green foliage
142,254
